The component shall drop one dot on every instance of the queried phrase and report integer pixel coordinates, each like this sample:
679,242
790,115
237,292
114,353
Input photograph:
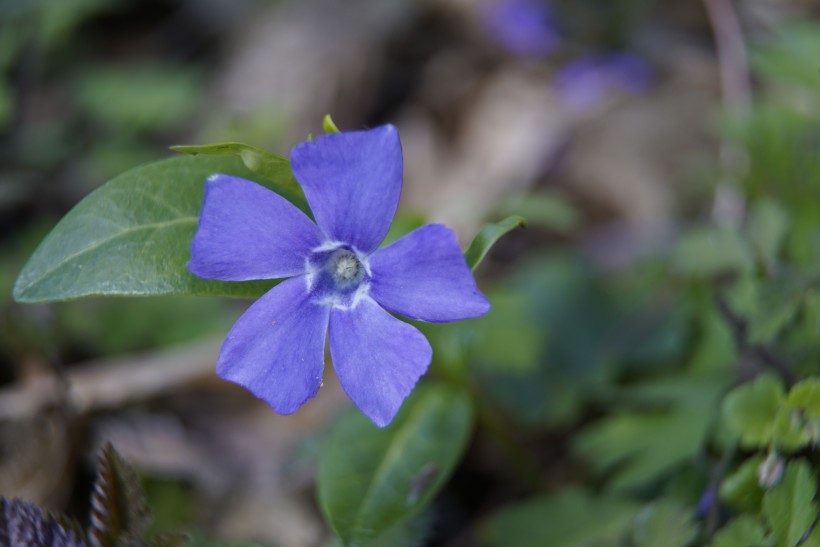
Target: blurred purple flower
586,81
524,27
338,280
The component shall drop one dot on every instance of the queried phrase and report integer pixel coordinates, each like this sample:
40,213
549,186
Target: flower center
337,276
346,267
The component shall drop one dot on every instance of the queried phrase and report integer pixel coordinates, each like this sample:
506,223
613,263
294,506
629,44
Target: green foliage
707,252
571,518
138,99
131,237
664,524
789,507
742,489
742,531
371,480
637,446
486,238
328,125
767,227
750,410
760,413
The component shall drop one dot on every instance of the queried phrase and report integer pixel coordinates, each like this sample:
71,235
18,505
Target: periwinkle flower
339,280
524,27
586,81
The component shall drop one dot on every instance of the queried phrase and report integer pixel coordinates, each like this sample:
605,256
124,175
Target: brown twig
110,383
731,51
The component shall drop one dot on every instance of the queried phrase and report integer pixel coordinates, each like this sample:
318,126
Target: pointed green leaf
273,168
750,410
328,125
743,531
486,238
805,395
372,479
789,506
132,237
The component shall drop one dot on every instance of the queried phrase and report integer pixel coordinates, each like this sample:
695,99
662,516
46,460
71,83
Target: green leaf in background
139,98
371,479
789,506
768,306
741,488
744,531
273,168
637,446
486,238
664,523
706,252
543,209
131,237
789,431
766,229
750,410
805,395
570,518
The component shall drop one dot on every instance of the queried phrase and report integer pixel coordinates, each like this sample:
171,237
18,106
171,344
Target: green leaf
805,395
640,445
750,410
131,237
139,98
707,252
790,431
744,531
664,524
328,125
273,168
742,488
767,228
571,518
486,238
789,506
372,479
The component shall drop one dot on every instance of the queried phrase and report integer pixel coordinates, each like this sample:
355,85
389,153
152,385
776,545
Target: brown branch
731,51
110,383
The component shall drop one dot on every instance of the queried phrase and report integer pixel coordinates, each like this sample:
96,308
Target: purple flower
584,82
524,27
339,281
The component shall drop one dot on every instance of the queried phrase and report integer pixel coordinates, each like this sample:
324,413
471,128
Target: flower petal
352,181
424,276
276,349
249,232
378,359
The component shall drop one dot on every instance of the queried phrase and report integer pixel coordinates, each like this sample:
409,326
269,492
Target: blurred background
617,128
